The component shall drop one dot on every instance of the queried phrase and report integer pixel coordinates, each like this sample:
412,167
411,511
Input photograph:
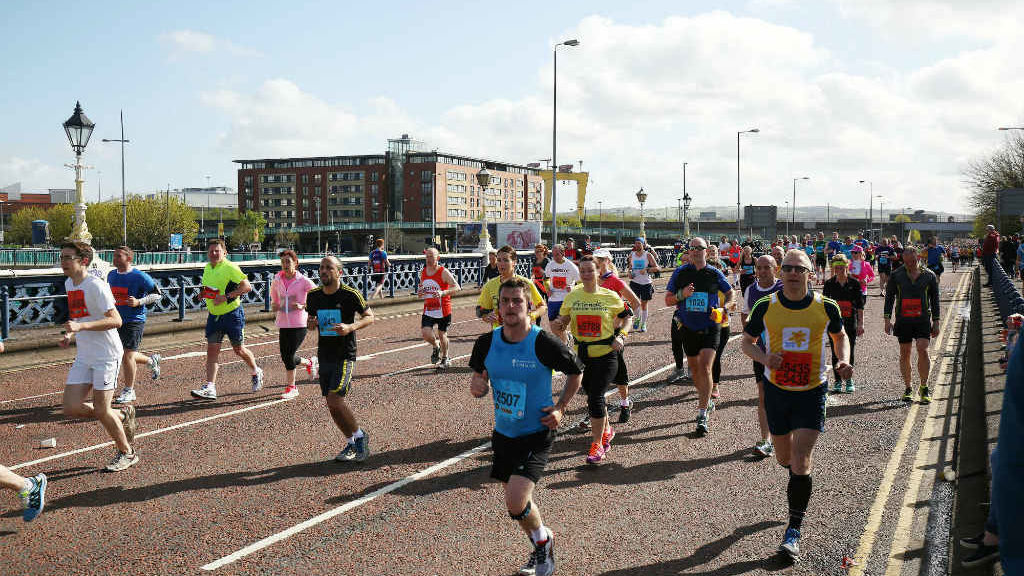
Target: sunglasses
790,268
698,247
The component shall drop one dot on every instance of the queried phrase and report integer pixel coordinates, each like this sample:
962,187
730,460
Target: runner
714,260
954,256
934,253
487,304
609,278
491,270
597,319
332,311
641,266
848,292
518,363
746,268
570,250
379,266
133,290
766,284
93,321
436,287
540,263
223,285
914,291
835,246
562,275
847,247
288,299
860,270
885,254
31,491
693,290
794,323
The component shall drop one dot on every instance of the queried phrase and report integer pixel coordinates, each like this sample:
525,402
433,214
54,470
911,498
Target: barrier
1008,299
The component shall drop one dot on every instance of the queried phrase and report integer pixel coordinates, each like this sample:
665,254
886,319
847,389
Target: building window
305,178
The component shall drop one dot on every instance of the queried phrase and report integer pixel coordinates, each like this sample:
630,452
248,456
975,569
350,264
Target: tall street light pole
554,142
79,129
738,134
686,215
787,221
792,215
124,203
641,197
684,190
871,200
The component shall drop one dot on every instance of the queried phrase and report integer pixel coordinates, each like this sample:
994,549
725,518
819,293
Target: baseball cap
990,227
640,240
602,253
856,249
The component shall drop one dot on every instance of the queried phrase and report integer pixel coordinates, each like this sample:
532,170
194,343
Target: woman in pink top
288,299
860,269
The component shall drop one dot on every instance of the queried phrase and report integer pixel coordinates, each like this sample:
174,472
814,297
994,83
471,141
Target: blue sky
899,93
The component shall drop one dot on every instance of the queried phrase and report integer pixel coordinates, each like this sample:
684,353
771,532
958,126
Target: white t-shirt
563,277
638,264
87,302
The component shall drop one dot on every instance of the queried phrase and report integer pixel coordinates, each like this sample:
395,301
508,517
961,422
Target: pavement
248,485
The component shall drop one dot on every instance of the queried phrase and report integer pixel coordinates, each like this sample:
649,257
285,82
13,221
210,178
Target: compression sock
798,492
540,534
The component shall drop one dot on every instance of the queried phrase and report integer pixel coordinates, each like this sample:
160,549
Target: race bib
698,302
748,269
509,399
558,282
795,371
910,308
209,293
121,295
846,307
588,325
883,259
432,303
76,304
326,319
639,265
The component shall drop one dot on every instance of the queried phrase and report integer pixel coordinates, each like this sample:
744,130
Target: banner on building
519,235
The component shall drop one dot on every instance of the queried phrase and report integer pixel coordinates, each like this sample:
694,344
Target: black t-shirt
538,268
550,351
329,309
848,296
491,272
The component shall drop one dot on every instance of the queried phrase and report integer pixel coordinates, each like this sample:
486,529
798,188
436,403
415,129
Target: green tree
286,238
20,224
151,221
104,220
1003,169
249,229
61,218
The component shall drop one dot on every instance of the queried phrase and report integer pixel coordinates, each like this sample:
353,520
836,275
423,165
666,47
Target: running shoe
908,395
127,395
791,544
850,388
643,327
362,447
544,556
596,454
435,356
445,364
677,376
154,365
926,395
764,448
130,425
584,424
207,392
973,542
606,439
34,499
625,411
715,393
313,368
983,554
636,324
290,391
257,380
122,461
702,425
348,454
711,407
837,387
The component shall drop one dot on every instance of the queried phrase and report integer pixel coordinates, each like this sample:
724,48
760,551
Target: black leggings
289,340
851,333
716,366
597,374
677,344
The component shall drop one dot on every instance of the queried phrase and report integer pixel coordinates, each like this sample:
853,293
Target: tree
249,229
61,218
286,238
986,176
20,224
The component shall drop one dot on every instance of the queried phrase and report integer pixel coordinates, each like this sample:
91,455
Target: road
248,485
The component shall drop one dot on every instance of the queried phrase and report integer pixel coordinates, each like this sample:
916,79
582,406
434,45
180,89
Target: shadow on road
616,474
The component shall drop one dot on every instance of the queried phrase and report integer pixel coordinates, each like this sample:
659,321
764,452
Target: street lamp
686,214
871,200
483,179
792,215
641,196
738,134
124,204
787,221
1011,128
79,129
554,144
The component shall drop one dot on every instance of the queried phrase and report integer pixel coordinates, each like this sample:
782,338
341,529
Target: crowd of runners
801,304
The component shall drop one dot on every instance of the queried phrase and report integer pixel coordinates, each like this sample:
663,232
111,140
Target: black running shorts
788,411
524,456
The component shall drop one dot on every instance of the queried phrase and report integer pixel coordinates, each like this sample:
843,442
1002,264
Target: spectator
1008,254
989,247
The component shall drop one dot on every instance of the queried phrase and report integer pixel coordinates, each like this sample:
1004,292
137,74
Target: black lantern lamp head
483,177
79,129
641,196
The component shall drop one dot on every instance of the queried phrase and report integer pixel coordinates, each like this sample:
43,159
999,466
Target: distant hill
817,213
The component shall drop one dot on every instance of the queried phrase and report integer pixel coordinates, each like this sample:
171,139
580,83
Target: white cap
602,253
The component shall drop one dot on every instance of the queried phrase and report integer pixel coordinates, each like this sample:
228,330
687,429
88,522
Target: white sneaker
257,380
126,395
314,367
290,392
207,392
122,461
154,365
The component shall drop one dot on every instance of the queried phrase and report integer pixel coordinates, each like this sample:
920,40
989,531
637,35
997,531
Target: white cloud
635,102
34,175
182,42
986,20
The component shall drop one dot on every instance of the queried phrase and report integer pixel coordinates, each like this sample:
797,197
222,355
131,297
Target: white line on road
421,366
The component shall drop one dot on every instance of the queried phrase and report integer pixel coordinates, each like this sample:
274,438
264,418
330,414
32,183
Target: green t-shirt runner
223,278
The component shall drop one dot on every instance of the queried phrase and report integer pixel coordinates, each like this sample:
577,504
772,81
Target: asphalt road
248,485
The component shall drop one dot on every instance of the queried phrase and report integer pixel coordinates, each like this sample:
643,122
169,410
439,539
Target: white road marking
421,366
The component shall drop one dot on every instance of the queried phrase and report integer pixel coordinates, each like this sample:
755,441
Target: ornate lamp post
686,209
483,178
641,197
79,129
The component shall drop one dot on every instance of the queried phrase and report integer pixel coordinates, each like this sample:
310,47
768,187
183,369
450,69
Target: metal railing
38,299
1008,298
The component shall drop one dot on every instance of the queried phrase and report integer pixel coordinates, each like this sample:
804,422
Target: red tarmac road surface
227,485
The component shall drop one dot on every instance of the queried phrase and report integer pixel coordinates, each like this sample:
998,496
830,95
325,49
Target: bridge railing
1008,298
32,298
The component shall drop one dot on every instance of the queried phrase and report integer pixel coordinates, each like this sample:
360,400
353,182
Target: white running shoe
290,392
207,392
257,380
126,395
314,367
154,365
122,461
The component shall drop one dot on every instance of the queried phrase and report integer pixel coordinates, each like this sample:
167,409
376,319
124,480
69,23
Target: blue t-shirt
135,283
935,255
520,384
1020,254
847,249
377,259
835,247
695,311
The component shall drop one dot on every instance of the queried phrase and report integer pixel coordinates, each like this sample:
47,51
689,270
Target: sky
901,94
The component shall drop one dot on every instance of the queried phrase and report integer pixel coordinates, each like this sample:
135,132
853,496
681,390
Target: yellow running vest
801,337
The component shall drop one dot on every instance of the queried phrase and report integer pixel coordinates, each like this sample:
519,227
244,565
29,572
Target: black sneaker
702,425
982,555
435,356
973,542
624,412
